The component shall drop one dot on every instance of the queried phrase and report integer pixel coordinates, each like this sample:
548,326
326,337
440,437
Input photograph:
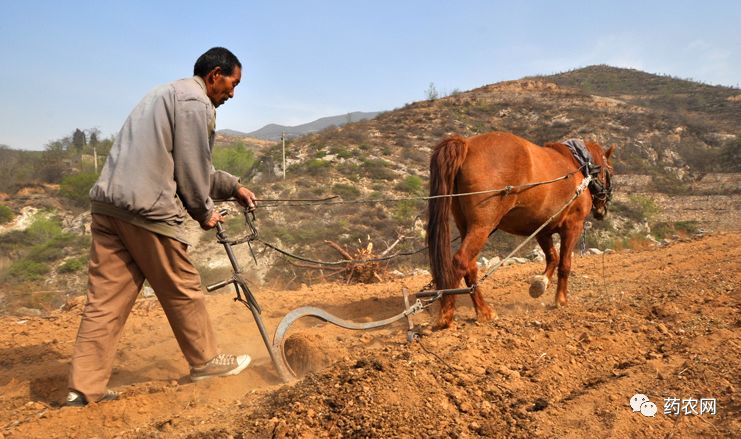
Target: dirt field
664,322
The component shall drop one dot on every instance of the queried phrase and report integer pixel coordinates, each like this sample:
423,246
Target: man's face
220,87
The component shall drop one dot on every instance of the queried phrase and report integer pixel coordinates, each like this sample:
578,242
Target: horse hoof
538,285
560,303
442,324
486,315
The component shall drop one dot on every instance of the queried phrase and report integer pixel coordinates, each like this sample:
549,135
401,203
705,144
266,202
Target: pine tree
78,139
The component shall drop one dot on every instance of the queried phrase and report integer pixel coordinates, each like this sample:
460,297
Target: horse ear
608,153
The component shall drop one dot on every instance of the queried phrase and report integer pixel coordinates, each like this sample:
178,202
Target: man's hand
211,223
245,197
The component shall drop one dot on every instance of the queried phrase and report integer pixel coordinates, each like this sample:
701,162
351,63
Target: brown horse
498,160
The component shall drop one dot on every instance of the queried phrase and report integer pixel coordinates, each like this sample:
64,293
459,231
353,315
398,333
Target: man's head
221,71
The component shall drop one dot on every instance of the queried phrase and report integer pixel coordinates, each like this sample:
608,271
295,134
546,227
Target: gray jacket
160,164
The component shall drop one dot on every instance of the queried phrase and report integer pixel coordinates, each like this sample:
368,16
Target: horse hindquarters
447,271
445,163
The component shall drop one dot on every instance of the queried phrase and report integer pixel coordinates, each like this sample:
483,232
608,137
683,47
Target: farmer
159,167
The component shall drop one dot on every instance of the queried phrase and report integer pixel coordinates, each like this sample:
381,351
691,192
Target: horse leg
569,238
483,310
539,283
464,258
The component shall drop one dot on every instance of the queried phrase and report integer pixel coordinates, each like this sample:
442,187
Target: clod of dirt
304,354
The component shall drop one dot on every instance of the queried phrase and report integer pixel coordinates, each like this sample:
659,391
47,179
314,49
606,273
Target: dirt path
665,322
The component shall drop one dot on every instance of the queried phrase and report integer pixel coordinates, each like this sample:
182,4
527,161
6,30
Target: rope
326,201
578,192
507,189
340,262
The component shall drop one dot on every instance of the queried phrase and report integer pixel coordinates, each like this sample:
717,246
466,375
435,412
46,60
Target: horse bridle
601,192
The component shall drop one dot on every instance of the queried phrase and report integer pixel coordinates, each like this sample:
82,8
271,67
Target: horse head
601,185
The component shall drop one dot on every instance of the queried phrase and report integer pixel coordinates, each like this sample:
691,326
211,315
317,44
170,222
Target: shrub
235,159
411,184
311,167
346,191
6,214
73,265
43,229
405,211
77,186
638,208
27,270
378,169
663,230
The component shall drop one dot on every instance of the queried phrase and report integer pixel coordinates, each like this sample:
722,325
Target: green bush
6,214
638,208
73,265
405,211
235,159
43,229
27,270
411,184
663,230
50,250
378,169
311,167
77,186
346,191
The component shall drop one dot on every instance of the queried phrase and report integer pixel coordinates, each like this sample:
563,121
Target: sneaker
220,366
77,399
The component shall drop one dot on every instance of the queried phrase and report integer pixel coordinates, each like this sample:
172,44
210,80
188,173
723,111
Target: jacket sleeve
223,184
192,156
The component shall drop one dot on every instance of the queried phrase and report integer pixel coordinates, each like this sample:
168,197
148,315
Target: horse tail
446,161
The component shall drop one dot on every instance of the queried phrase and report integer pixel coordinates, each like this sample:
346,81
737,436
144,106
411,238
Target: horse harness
600,191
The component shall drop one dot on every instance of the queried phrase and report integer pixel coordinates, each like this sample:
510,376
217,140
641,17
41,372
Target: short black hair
216,57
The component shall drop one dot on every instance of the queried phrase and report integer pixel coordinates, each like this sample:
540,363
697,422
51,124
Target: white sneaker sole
242,362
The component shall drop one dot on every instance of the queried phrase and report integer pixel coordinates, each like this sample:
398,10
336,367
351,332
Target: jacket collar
200,82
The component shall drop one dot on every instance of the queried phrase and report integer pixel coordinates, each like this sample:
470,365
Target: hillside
697,103
675,177
673,153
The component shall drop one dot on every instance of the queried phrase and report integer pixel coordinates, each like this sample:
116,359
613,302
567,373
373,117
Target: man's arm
192,156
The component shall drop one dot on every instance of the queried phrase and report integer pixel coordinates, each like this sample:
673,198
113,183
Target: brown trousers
122,255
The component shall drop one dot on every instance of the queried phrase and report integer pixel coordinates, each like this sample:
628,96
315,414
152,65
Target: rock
506,371
478,370
148,292
594,251
514,260
662,328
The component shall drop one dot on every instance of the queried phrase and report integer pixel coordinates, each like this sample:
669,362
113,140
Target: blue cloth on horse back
582,155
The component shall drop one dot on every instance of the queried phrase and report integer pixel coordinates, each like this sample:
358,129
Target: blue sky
84,64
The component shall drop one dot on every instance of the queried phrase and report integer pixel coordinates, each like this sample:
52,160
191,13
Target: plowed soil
664,322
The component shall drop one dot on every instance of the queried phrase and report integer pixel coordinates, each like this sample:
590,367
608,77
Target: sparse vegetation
234,158
346,191
76,187
411,184
37,247
639,208
73,265
6,214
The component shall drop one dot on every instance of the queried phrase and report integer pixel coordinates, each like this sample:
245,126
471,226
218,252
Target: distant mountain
273,131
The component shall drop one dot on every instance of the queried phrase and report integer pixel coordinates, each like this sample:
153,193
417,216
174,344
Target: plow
413,303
